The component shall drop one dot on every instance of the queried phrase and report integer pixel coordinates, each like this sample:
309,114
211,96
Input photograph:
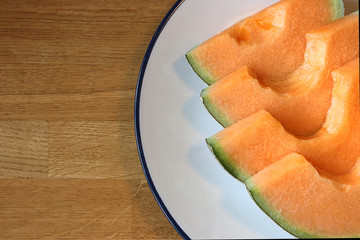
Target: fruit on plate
271,42
241,93
305,202
253,143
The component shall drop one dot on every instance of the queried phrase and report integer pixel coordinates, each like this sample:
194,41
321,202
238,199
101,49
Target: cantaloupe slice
340,136
240,94
248,146
271,42
305,203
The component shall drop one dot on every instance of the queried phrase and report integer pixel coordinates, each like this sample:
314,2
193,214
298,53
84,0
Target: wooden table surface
69,167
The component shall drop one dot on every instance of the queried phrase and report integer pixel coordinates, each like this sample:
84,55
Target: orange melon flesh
241,94
249,145
299,199
271,42
340,135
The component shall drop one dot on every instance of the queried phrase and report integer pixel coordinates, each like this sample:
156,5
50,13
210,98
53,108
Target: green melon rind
225,160
275,214
200,70
338,9
213,110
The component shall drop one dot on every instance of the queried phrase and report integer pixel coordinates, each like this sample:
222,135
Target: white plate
198,196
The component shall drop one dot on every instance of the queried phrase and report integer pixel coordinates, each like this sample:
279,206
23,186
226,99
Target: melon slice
271,42
248,146
340,135
306,203
240,94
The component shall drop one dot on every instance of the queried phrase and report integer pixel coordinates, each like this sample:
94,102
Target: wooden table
69,165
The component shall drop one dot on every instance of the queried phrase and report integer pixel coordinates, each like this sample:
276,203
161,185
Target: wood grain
108,152
24,149
69,167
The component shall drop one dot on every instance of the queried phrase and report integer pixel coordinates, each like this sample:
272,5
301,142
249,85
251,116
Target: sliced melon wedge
241,93
337,145
305,203
248,146
271,42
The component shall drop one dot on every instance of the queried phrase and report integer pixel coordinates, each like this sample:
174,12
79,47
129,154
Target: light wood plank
73,59
67,209
24,149
68,72
93,150
144,215
97,106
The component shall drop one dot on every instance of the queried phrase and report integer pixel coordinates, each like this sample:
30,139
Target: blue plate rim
137,119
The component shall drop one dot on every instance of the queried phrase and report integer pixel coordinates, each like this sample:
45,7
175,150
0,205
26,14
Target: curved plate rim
137,120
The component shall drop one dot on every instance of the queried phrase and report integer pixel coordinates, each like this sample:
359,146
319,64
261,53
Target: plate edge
137,120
